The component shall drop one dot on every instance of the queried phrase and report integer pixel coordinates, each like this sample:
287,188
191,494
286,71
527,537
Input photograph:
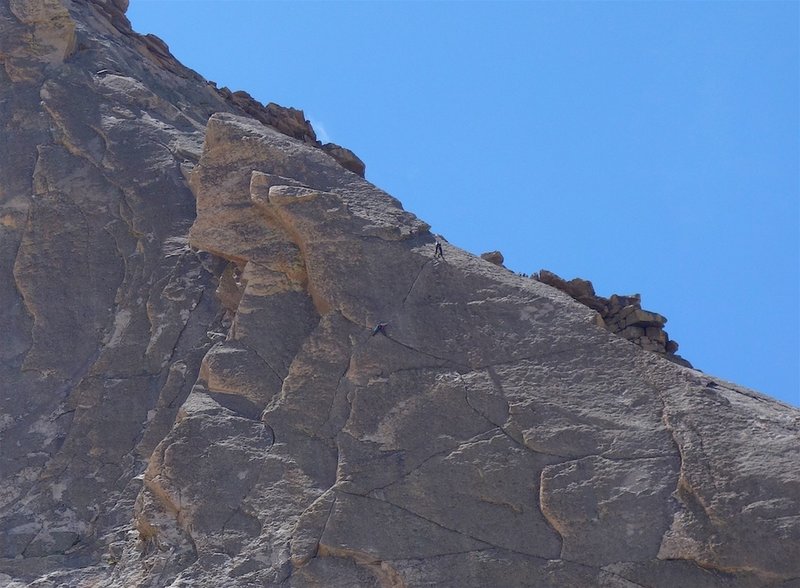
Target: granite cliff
193,391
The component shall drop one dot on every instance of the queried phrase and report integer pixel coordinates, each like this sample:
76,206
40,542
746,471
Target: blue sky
649,147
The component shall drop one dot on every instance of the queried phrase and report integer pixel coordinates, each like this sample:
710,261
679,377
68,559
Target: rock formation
195,393
494,257
622,315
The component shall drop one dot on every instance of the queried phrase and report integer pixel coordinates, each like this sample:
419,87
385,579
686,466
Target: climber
380,328
438,251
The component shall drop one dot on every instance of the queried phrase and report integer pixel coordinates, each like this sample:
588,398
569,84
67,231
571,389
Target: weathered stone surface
722,491
490,567
348,160
622,315
51,37
292,122
469,489
193,392
494,257
289,121
580,290
103,310
605,510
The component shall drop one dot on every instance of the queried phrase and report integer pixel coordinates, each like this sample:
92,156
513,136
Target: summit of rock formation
228,359
622,315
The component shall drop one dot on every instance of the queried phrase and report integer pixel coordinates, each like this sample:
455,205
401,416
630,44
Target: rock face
194,390
622,315
292,122
494,257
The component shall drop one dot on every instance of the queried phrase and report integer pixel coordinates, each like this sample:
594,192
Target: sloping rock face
195,390
622,315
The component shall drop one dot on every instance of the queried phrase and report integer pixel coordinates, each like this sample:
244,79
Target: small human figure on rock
380,328
438,253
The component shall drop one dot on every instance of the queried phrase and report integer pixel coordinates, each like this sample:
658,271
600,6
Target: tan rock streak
722,490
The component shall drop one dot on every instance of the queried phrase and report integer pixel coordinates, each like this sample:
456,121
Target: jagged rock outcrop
292,122
622,315
494,257
195,393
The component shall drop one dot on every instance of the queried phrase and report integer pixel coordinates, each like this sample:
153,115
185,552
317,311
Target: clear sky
649,147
